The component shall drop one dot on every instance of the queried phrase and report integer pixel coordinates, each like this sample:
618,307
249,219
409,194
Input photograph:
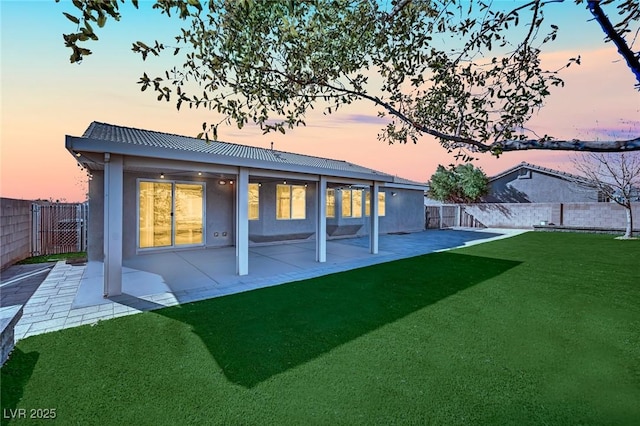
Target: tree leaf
71,18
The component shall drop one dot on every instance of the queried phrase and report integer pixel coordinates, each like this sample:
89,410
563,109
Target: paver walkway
19,282
54,305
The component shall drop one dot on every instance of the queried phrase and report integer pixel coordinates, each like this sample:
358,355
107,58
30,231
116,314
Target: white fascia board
276,174
382,179
157,164
75,144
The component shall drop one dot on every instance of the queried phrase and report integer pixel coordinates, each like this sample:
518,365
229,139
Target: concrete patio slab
71,296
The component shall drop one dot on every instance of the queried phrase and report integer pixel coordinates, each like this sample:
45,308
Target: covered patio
182,276
71,295
153,193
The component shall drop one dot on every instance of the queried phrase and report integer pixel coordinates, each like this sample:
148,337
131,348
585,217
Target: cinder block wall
513,215
526,215
599,215
15,231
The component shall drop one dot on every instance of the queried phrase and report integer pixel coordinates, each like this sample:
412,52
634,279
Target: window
381,204
331,202
351,203
254,201
603,198
356,202
170,214
346,203
291,202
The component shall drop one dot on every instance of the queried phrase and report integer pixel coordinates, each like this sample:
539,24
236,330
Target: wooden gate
449,216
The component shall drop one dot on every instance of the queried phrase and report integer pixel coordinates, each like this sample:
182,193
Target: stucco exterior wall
15,230
219,227
268,228
537,187
404,212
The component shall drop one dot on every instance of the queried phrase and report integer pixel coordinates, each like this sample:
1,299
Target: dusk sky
44,98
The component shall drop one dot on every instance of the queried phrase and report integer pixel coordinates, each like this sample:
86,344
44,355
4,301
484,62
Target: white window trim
362,205
368,200
333,191
258,186
291,185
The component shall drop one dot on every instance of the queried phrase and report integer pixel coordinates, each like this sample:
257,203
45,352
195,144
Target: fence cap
8,314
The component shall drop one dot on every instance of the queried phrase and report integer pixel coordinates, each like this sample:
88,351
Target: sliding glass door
170,214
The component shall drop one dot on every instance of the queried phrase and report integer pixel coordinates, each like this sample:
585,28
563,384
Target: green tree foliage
463,183
465,72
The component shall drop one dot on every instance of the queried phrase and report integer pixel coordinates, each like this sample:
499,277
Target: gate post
35,229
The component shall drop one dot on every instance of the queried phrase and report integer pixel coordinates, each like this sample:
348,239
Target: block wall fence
579,215
15,230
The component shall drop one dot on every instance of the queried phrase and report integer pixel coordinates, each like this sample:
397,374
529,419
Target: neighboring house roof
103,137
552,172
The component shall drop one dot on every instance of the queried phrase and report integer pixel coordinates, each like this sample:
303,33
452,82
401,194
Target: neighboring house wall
15,230
583,215
533,186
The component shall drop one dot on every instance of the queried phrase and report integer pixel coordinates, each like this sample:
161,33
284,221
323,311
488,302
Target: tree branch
632,60
504,145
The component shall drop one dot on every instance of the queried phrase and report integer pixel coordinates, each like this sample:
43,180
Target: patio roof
103,138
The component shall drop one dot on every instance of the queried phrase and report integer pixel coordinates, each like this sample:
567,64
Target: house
528,183
153,191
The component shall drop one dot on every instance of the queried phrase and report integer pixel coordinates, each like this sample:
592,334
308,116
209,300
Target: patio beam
256,174
242,222
321,223
153,164
113,188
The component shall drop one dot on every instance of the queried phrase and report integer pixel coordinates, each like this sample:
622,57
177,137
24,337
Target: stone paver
51,306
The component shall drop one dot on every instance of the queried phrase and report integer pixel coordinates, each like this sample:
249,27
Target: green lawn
543,328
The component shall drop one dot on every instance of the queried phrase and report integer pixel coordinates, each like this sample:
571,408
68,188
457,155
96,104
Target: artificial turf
52,257
542,328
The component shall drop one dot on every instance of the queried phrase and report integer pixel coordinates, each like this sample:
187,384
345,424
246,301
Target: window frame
331,194
173,245
358,212
257,209
291,187
382,204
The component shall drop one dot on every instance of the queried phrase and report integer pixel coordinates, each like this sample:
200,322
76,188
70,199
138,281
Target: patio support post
242,222
321,224
113,187
373,232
